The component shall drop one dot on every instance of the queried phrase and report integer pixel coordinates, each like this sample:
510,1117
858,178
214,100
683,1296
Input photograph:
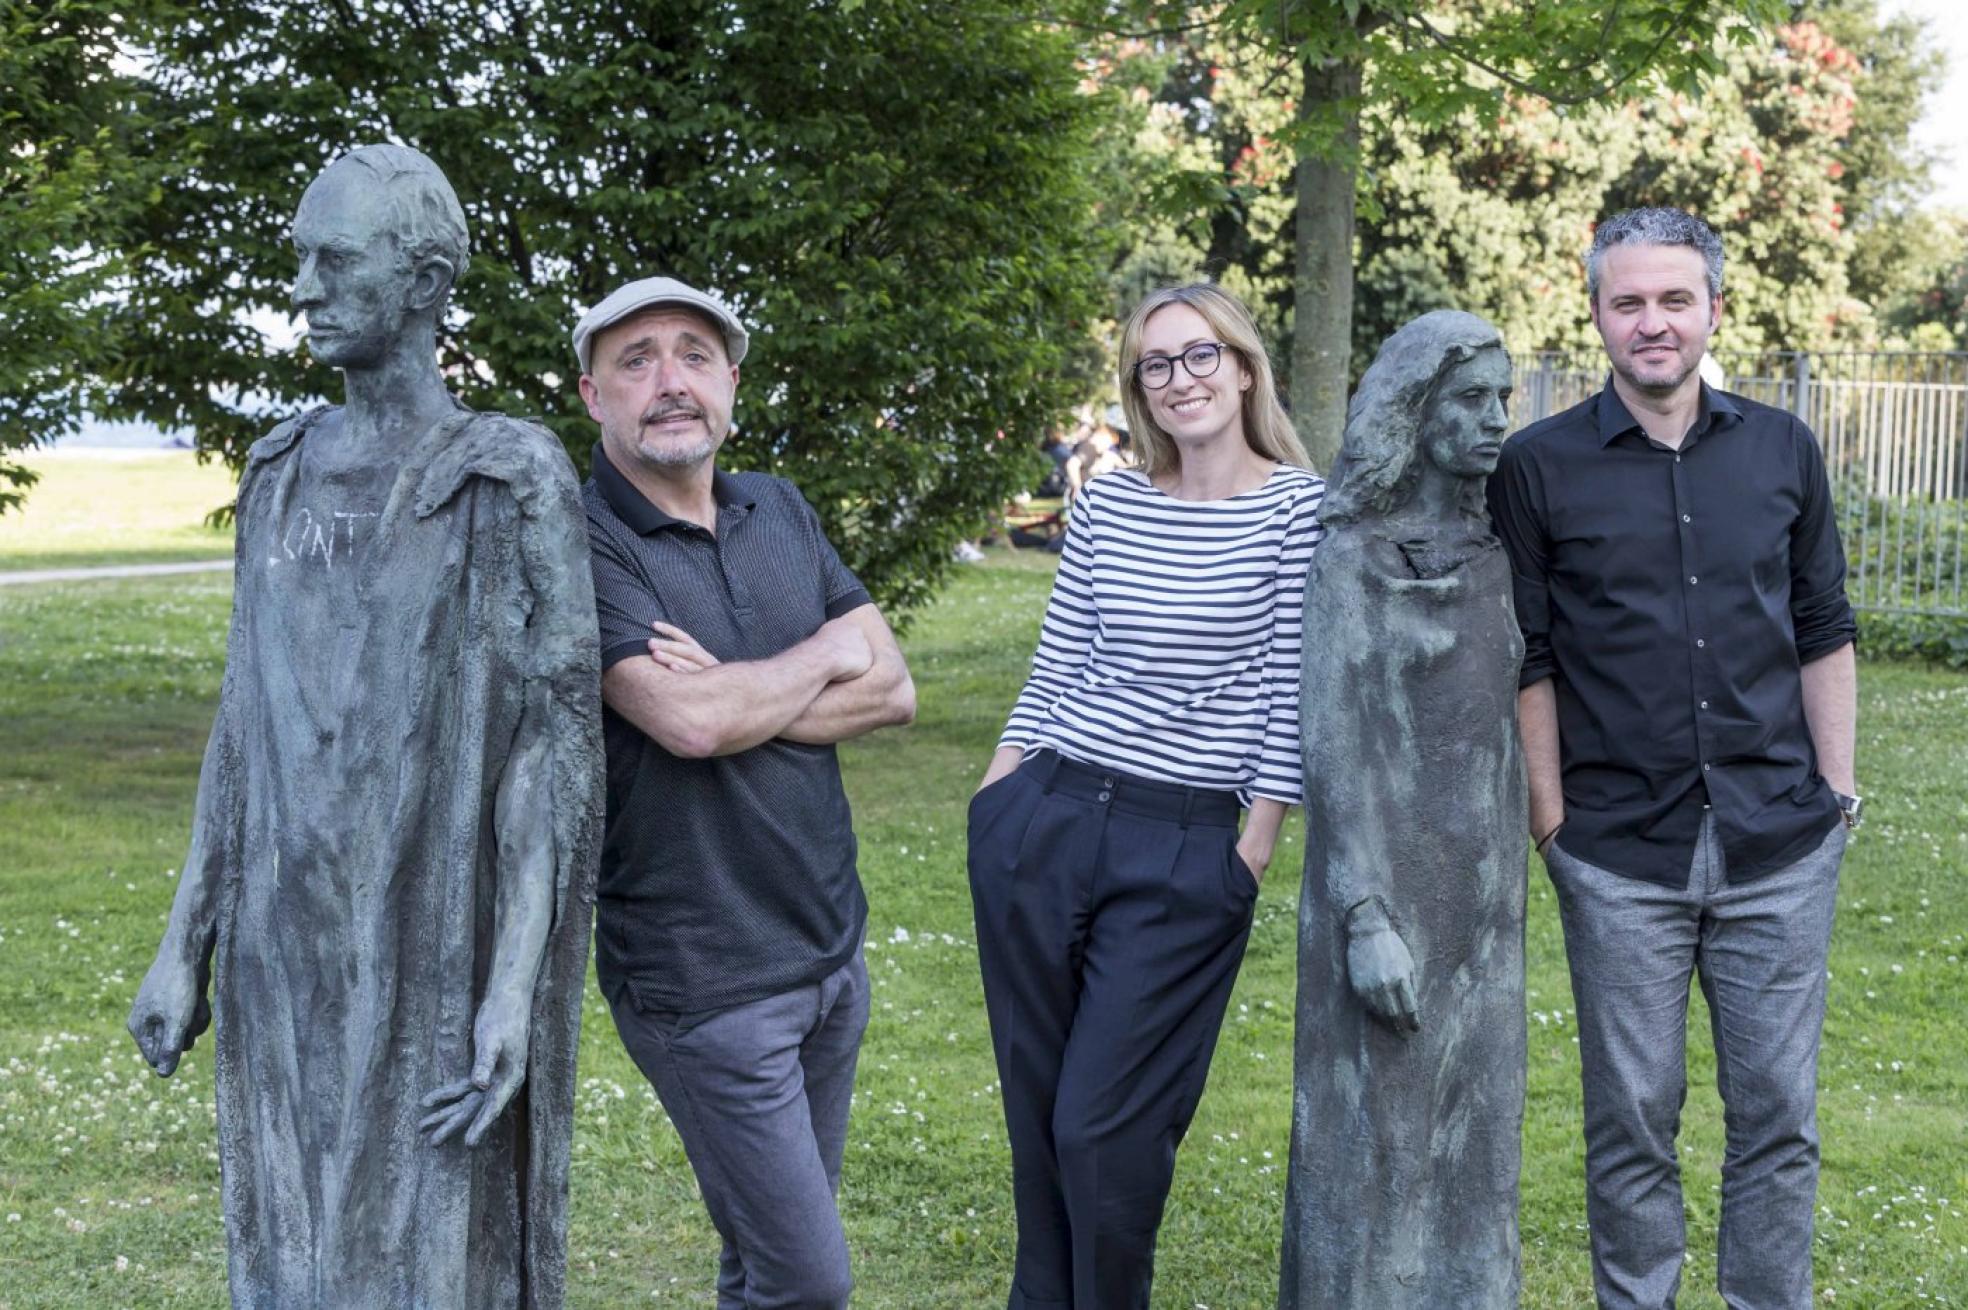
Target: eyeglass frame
1221,347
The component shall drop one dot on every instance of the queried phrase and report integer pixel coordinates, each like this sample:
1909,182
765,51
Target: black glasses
1154,372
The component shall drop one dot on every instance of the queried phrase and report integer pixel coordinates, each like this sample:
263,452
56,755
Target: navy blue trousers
1112,915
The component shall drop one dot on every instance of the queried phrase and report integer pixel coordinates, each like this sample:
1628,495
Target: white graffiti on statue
319,539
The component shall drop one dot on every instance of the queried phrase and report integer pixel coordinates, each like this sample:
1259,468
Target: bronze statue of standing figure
1409,1099
391,874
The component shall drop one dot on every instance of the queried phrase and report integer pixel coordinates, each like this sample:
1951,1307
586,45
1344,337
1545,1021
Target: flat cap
652,291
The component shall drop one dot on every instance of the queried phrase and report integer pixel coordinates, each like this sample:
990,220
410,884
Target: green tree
1780,152
1431,60
70,172
894,195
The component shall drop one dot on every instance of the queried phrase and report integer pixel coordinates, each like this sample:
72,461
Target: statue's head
381,241
1434,395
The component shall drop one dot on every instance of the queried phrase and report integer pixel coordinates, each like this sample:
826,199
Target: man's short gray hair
1655,227
424,212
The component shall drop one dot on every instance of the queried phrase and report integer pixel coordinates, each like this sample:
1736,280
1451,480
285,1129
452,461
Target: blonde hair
1267,428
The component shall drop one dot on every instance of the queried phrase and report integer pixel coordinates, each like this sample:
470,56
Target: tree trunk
1322,314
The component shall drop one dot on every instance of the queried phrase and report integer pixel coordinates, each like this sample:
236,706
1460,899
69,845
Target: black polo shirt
1673,596
729,879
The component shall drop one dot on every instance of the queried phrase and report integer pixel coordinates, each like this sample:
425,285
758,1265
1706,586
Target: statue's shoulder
1358,549
518,453
279,441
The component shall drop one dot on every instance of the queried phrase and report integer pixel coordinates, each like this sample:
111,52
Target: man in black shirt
1688,705
736,649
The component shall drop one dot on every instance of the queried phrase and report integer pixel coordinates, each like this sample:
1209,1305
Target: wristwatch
1850,806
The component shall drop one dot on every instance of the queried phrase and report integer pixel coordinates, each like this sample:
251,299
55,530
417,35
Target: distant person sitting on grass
1099,452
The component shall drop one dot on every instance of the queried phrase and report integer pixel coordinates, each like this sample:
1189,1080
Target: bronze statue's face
353,283
1462,433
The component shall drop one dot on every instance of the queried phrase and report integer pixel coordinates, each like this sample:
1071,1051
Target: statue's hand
170,1013
1382,974
499,1040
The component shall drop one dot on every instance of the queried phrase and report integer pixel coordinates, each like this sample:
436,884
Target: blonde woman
1112,883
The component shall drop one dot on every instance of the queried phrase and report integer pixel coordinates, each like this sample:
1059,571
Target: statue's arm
523,911
1379,967
1347,718
523,823
172,1008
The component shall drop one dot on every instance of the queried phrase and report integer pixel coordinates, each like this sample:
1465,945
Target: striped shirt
1170,648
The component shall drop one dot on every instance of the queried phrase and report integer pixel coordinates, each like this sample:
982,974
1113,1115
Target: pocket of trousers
1243,882
991,792
995,828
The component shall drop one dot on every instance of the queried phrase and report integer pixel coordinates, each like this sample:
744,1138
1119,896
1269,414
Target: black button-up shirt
728,879
1673,596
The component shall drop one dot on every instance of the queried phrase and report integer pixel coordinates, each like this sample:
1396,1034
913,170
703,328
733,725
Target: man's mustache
662,412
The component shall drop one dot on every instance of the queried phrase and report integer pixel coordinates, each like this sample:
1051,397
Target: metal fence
1894,428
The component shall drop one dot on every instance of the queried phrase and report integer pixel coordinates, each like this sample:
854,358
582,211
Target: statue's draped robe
1402,1193
398,643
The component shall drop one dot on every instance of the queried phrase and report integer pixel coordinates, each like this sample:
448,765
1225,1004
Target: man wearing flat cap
736,649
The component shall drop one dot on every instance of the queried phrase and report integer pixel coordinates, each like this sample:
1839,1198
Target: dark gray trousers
1760,949
759,1094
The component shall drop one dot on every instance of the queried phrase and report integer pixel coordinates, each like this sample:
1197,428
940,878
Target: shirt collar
641,514
1718,410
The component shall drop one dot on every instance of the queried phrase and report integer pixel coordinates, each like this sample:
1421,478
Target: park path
111,571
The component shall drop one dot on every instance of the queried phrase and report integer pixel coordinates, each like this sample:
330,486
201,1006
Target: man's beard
649,452
686,458
1658,384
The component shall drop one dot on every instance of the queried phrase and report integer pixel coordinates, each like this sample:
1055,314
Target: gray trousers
1760,949
759,1094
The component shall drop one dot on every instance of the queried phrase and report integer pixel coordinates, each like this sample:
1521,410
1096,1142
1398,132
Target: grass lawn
116,507
108,1176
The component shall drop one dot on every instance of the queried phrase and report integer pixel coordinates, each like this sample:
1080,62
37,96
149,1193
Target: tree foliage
894,196
1492,212
1430,61
70,170
1797,148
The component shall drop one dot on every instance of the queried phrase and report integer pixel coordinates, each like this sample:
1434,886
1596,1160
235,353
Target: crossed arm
847,679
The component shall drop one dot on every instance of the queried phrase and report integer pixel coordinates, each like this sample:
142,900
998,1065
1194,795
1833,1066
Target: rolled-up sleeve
1066,636
1517,511
1820,614
1280,766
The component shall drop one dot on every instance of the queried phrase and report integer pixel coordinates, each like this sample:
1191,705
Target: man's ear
591,396
431,282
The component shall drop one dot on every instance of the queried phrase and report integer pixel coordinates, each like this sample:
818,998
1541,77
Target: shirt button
1692,579
1686,519
1706,766
1704,704
1699,643
1106,795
